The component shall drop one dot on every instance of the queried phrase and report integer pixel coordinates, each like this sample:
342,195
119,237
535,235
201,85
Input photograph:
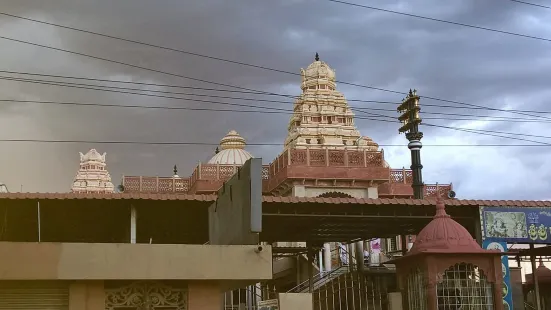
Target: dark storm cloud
365,47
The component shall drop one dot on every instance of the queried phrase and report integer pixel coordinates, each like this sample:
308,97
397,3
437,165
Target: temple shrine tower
322,117
92,176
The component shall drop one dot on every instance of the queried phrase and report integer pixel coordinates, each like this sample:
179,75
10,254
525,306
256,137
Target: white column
327,256
133,216
320,260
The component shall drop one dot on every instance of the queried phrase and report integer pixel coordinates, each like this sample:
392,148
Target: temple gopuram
324,154
92,175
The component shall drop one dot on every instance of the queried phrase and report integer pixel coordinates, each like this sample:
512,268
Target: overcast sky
365,47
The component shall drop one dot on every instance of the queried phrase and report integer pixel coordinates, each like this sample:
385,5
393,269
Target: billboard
516,225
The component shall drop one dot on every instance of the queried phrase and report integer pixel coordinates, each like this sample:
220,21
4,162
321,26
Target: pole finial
317,57
440,207
175,170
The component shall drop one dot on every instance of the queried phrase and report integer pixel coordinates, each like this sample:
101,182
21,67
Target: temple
92,176
324,154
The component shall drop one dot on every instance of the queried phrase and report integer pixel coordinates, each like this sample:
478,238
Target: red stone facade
309,167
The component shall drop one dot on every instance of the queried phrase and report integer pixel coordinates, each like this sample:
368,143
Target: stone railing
326,158
399,179
400,185
401,176
155,184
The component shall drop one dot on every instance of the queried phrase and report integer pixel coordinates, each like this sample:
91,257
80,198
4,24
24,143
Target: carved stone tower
92,176
322,117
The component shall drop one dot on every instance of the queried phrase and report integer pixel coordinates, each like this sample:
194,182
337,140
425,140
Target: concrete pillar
320,260
310,268
133,218
204,296
350,254
86,295
360,255
327,257
535,279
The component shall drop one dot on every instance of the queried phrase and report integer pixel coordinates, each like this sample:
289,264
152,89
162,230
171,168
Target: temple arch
335,195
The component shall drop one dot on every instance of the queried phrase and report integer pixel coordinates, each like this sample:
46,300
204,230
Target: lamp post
409,109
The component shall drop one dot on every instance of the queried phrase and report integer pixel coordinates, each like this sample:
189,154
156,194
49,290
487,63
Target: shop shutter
34,295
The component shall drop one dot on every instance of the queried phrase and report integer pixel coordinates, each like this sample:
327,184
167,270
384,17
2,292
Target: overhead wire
357,109
284,110
201,80
474,131
118,90
210,57
257,92
532,4
289,112
442,20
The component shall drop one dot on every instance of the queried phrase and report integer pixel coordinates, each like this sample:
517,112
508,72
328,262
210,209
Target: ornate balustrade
401,176
399,185
155,184
209,177
326,158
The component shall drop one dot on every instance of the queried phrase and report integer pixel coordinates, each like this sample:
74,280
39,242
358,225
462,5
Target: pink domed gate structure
447,269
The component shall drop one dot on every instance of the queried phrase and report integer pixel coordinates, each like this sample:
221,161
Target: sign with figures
516,225
506,293
271,304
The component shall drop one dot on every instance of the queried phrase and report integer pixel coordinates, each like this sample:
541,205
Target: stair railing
323,277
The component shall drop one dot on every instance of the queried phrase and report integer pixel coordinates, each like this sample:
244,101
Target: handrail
527,305
322,275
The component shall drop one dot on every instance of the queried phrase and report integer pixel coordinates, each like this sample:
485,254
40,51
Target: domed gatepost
446,269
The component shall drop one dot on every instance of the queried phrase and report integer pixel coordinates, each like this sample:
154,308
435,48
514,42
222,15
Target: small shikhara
92,176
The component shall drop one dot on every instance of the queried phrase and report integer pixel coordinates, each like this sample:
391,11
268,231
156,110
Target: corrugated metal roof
104,196
274,199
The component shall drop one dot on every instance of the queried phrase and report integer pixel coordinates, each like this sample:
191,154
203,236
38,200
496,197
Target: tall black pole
415,146
411,120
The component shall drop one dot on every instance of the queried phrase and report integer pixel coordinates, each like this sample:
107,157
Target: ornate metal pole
410,118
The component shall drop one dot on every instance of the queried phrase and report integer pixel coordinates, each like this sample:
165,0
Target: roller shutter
34,295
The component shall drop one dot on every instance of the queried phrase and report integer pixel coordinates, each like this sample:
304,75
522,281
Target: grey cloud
365,47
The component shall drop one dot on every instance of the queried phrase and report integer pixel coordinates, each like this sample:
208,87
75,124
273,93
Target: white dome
232,152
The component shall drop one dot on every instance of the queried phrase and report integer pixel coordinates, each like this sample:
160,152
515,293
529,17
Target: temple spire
440,207
317,57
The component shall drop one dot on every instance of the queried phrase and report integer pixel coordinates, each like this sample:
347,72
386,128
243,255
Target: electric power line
290,112
67,84
532,4
357,109
219,59
475,131
443,21
178,75
272,111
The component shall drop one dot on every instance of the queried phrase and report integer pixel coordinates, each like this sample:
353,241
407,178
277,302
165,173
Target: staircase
352,291
319,280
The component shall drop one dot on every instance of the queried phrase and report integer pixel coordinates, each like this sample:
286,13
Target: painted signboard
271,304
507,292
516,225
